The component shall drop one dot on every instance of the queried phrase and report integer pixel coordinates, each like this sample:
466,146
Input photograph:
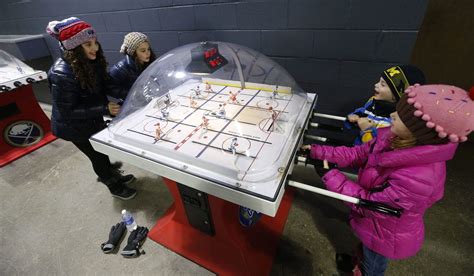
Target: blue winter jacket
125,72
78,113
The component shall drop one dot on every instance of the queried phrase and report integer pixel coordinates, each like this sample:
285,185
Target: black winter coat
78,113
125,72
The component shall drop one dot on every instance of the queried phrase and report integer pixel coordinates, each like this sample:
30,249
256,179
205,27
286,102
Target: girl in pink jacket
404,168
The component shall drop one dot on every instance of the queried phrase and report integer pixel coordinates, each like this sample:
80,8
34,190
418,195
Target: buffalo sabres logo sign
23,134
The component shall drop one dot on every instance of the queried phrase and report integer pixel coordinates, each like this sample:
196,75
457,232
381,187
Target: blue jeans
373,264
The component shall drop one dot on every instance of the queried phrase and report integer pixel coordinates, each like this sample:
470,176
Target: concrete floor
54,215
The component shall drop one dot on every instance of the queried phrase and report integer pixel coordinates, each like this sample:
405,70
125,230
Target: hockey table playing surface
242,156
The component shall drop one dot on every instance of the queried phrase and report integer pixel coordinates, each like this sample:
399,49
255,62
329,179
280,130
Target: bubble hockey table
24,126
241,157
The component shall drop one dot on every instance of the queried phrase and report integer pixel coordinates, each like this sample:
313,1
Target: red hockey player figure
208,88
192,102
205,123
233,97
157,131
274,118
274,113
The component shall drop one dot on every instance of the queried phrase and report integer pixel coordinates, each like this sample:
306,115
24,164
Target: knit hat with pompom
71,32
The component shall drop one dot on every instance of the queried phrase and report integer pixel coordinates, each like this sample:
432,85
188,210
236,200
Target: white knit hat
131,42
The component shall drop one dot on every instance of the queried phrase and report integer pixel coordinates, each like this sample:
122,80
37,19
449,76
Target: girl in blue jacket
138,55
78,82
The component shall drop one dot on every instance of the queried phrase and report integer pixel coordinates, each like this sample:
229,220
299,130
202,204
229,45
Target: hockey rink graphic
241,130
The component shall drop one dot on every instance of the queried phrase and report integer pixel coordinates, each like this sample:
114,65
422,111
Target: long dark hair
142,67
83,68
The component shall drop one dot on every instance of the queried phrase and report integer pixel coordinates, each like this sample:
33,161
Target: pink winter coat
411,179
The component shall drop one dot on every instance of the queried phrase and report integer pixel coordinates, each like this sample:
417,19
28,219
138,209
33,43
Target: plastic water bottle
248,217
127,217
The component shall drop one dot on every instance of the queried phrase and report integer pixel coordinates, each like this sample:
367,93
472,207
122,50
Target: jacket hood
412,156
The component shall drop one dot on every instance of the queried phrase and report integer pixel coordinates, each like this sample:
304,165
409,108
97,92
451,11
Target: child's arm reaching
342,156
402,190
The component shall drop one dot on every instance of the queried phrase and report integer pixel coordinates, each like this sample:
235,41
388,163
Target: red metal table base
26,114
234,249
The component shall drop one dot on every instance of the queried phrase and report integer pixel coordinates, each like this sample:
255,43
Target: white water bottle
129,221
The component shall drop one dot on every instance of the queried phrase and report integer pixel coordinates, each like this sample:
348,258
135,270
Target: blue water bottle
248,217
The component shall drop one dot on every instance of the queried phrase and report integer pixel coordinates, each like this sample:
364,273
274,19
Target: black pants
100,162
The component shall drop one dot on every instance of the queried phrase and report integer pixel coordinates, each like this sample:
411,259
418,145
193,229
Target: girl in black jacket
79,82
138,55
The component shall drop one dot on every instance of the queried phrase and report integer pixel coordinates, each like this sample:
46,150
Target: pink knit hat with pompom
437,113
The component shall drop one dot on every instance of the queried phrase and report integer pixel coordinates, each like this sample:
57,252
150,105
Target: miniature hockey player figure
233,145
233,97
157,131
197,91
165,112
221,112
167,100
192,102
208,88
274,118
274,93
274,113
205,123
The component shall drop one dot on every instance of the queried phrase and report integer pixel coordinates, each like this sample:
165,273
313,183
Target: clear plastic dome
218,110
15,73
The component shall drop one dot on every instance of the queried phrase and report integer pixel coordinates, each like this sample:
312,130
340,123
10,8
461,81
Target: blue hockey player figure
233,145
221,112
167,100
274,93
197,91
165,112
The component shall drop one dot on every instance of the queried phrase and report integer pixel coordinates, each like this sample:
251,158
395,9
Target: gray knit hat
131,42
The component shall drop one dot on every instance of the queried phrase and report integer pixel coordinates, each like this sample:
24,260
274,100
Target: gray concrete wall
336,48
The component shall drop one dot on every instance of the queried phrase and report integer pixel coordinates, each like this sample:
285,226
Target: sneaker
124,192
124,179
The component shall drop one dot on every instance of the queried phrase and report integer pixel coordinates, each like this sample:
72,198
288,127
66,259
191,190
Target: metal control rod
364,203
316,138
331,141
304,161
327,116
326,127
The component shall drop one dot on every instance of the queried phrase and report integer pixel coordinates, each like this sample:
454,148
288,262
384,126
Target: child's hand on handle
305,147
326,164
114,108
364,123
353,118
